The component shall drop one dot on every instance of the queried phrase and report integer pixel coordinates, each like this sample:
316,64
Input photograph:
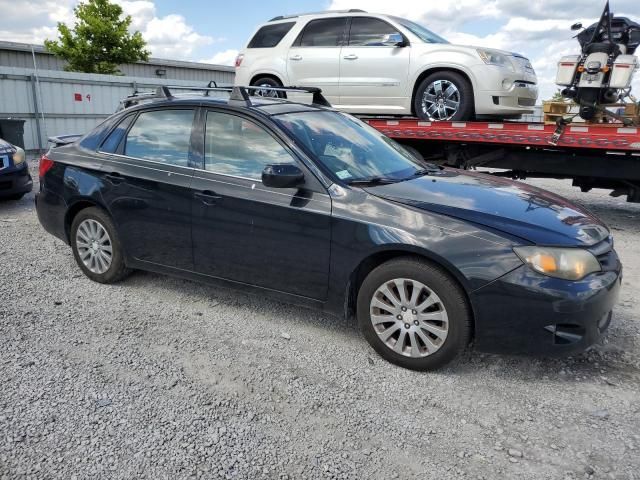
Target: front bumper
525,312
15,180
499,91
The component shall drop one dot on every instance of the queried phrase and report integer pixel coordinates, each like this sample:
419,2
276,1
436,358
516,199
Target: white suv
378,64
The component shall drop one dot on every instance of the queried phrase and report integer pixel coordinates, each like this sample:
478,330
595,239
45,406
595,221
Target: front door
245,232
374,76
148,176
314,58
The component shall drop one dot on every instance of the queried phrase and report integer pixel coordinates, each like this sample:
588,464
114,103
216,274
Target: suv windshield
352,150
424,34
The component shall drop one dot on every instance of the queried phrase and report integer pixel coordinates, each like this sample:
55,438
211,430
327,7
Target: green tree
99,41
557,97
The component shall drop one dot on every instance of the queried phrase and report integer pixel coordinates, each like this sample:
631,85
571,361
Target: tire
267,82
462,93
447,313
85,221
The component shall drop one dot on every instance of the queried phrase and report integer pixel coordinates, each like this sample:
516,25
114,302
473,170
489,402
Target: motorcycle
603,72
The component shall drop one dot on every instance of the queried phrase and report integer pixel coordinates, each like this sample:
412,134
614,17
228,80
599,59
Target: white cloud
170,36
538,29
226,57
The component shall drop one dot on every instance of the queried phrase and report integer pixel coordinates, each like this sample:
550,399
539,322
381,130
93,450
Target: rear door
148,173
276,238
373,75
314,57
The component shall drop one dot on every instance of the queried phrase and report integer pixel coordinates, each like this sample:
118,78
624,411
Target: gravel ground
164,378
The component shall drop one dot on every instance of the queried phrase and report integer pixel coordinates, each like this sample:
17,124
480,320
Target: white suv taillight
239,59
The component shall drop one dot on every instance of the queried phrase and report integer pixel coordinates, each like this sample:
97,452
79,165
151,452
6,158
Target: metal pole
37,98
36,111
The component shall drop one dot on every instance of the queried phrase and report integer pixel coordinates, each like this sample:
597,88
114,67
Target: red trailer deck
594,156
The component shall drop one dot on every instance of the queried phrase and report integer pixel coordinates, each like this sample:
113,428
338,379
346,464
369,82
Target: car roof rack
237,94
284,17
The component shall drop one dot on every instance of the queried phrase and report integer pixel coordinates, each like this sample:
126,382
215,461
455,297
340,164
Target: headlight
491,57
565,263
19,156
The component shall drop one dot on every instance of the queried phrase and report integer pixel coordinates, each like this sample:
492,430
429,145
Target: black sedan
15,180
313,206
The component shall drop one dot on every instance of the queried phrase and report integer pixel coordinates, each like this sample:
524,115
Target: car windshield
349,148
424,34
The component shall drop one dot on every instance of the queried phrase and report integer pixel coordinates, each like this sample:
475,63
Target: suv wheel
96,246
267,82
444,96
413,314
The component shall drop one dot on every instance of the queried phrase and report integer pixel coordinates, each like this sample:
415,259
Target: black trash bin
12,130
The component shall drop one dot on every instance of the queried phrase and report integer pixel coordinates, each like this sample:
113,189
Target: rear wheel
444,96
413,314
96,246
265,91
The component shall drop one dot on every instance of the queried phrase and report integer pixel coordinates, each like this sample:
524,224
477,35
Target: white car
379,64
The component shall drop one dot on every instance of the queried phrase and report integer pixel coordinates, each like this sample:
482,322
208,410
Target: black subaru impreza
312,206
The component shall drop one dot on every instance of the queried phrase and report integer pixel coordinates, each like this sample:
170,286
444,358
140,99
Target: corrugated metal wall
20,55
58,103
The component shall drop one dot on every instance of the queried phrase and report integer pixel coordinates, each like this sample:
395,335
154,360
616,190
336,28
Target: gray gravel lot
164,378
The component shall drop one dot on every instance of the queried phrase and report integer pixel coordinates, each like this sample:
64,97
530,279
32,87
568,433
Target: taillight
45,165
239,59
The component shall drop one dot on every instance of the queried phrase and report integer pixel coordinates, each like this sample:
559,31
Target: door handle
207,197
114,178
350,57
296,58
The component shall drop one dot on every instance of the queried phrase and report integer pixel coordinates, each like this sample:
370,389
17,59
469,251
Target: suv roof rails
237,94
284,17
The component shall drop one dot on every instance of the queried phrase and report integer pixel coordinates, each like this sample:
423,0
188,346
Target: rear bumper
15,181
51,210
525,312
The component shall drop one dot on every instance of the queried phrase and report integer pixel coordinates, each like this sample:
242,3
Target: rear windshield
270,35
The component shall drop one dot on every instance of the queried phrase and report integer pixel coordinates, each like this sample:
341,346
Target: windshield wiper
372,181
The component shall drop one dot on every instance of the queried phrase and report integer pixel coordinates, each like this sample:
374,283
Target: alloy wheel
409,318
265,90
94,246
441,100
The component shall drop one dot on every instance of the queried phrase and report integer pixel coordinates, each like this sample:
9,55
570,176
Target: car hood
530,213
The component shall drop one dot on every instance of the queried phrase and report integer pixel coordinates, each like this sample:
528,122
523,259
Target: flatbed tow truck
592,155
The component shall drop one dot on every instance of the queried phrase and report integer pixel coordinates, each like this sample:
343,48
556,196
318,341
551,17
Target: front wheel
444,96
414,314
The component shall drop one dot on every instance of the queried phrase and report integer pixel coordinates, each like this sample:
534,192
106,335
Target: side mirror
282,175
394,40
576,26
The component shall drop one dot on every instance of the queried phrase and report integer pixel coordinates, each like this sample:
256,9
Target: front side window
369,32
349,148
270,35
327,32
239,147
161,136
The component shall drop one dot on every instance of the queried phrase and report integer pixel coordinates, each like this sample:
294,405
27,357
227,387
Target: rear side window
369,32
326,32
110,145
161,136
236,146
270,35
